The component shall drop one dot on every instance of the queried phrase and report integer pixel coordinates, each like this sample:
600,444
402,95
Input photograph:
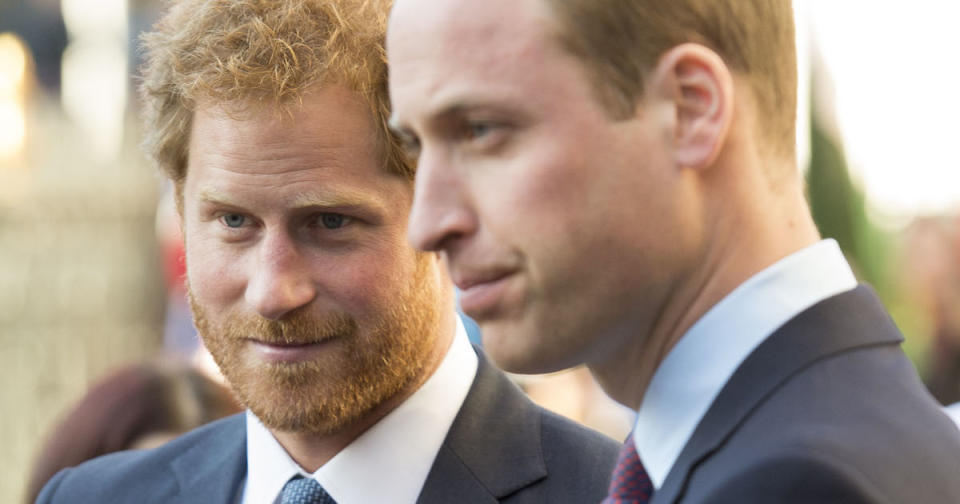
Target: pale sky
896,73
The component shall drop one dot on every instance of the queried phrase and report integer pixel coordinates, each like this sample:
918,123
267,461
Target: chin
516,349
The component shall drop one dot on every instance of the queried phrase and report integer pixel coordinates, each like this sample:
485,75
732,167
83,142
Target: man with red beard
341,340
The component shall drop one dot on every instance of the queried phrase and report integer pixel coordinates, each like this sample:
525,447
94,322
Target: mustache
298,329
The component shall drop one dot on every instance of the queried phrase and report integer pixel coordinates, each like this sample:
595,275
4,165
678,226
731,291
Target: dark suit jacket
827,409
500,448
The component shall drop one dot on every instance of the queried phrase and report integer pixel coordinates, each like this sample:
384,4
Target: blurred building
80,281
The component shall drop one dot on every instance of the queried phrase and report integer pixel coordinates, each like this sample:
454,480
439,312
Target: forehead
328,117
475,24
440,49
328,137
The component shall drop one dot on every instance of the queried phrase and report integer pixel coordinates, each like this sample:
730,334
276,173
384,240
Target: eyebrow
444,112
333,200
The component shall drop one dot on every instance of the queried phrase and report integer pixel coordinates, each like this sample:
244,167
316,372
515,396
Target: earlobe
699,86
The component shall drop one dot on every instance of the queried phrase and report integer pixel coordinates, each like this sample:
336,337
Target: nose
281,281
442,211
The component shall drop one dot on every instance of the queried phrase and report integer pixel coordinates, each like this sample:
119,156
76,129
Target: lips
482,294
274,352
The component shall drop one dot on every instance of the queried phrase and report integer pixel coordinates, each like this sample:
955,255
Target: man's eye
234,220
410,145
333,220
478,130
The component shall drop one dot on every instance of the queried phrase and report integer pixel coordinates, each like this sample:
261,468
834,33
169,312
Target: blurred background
90,270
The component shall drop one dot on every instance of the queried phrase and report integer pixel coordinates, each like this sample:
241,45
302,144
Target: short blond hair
260,51
620,41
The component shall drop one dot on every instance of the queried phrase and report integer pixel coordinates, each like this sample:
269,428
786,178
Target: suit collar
832,326
212,469
676,400
400,448
497,428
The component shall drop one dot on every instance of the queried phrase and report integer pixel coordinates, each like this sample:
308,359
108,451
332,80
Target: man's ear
699,86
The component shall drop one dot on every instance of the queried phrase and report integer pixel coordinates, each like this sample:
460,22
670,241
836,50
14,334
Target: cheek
570,206
214,276
541,194
368,283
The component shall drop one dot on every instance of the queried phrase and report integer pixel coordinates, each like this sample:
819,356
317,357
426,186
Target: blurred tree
840,211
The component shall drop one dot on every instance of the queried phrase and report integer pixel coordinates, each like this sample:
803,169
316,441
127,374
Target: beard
364,363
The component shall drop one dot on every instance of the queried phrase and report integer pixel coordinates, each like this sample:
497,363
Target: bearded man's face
302,282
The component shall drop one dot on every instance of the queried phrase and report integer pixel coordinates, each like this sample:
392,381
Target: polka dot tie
300,490
630,483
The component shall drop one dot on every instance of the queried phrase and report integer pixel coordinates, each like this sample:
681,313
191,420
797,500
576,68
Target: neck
311,451
746,232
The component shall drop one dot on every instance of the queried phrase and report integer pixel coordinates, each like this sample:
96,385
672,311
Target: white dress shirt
389,462
953,411
704,359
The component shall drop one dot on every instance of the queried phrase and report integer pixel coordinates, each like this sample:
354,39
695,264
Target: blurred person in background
615,183
337,336
138,406
931,272
179,335
931,276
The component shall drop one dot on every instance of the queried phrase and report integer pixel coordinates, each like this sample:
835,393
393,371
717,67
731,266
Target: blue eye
410,145
234,220
477,130
333,220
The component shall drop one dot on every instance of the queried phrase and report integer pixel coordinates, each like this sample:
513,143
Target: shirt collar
399,449
703,360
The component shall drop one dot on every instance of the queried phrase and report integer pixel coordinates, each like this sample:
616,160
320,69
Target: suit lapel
492,450
212,470
493,447
850,320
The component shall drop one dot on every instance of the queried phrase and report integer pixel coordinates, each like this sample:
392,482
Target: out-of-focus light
13,71
13,128
13,64
94,94
895,103
93,18
802,37
94,72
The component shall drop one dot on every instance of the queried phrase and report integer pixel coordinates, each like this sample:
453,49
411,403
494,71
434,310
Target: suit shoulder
112,478
789,478
128,475
564,434
580,460
814,467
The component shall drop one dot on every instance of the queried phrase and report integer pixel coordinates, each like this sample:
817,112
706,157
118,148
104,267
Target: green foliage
840,211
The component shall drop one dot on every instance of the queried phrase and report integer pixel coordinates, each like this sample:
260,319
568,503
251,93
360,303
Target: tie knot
300,490
630,483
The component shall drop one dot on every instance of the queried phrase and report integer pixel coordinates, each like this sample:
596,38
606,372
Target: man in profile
341,340
614,183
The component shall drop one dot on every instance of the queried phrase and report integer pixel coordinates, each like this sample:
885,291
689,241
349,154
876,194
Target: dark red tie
630,483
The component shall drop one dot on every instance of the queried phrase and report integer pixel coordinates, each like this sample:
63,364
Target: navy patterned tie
630,483
300,490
